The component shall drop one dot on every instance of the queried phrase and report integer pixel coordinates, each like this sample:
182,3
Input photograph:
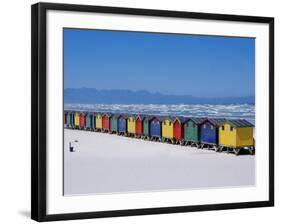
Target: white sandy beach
104,163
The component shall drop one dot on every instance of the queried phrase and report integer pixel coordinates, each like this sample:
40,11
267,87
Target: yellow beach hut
167,129
76,119
98,121
131,125
236,134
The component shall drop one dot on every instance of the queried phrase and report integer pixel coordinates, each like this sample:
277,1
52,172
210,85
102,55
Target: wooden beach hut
155,129
98,121
209,132
68,119
82,120
93,124
65,119
236,134
178,125
122,124
131,125
146,127
167,129
76,120
72,117
114,123
89,121
106,122
192,131
139,125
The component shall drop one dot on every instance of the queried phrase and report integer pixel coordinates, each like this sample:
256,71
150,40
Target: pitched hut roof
141,116
181,119
152,117
214,121
239,123
162,118
107,114
196,120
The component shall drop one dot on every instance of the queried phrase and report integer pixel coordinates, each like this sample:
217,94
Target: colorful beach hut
155,127
114,123
146,127
76,120
236,133
69,119
82,120
131,125
106,122
89,121
139,125
93,121
122,125
167,128
65,118
98,121
209,131
178,125
192,131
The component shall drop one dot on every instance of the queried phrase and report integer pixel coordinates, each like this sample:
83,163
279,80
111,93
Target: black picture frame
38,108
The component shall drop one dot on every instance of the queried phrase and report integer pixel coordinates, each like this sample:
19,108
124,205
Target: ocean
230,111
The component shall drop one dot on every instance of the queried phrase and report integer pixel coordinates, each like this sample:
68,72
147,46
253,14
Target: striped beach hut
122,124
98,121
76,120
155,127
131,125
114,123
139,125
236,134
209,132
192,131
82,120
178,125
89,121
167,129
106,122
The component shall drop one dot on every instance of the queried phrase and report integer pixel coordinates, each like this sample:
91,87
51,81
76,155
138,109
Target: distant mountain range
94,96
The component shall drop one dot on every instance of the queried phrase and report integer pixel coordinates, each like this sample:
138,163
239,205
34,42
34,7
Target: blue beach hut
155,127
122,124
209,131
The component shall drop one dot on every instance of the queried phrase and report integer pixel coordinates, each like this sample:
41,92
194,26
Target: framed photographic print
139,111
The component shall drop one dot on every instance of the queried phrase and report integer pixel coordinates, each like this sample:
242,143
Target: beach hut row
218,134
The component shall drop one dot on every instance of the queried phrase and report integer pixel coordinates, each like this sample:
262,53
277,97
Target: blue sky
204,66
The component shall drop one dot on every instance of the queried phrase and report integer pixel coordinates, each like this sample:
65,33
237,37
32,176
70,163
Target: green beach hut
192,131
89,120
114,123
146,132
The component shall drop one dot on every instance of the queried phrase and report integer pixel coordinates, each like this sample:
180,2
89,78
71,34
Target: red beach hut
179,128
82,120
139,126
105,122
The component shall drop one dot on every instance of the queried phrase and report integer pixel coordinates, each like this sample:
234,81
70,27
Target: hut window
170,123
164,122
212,127
204,126
186,125
231,128
222,128
193,125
